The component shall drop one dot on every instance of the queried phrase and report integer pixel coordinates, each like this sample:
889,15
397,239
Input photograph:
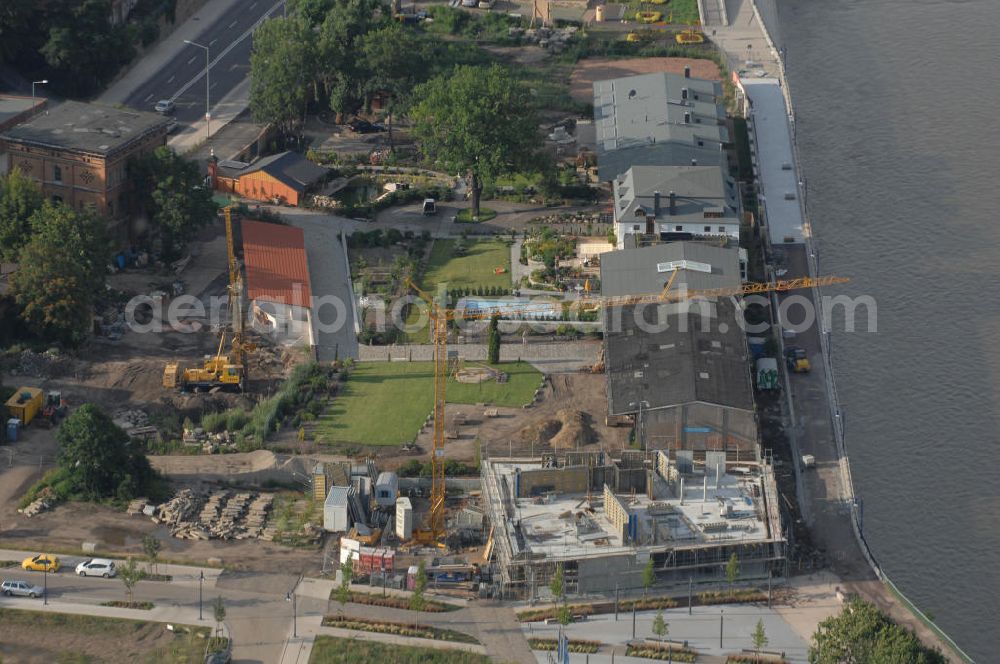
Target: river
896,111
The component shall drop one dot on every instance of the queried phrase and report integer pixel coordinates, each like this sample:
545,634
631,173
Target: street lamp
45,590
208,88
290,597
44,81
201,579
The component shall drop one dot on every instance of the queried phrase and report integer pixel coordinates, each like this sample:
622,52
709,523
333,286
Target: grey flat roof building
89,128
644,270
642,114
677,353
697,189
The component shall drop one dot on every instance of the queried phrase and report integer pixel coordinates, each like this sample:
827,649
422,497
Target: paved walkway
536,353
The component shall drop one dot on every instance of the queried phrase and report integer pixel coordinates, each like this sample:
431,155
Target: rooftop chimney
687,72
684,93
656,203
673,203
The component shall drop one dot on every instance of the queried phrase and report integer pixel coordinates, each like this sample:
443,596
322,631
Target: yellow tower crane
433,531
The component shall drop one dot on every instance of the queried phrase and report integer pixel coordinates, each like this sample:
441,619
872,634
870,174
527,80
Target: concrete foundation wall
601,575
562,480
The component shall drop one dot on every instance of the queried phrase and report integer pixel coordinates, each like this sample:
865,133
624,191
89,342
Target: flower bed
395,602
575,645
736,597
122,604
538,615
745,596
753,659
661,652
156,577
399,629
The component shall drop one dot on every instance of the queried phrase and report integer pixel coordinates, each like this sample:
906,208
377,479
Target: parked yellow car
648,17
41,563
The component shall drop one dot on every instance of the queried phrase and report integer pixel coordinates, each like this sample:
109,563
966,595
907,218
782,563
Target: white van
430,207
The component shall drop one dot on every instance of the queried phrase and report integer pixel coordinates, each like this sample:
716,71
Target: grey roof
674,354
612,164
339,496
11,106
90,128
698,189
644,270
636,112
702,426
291,168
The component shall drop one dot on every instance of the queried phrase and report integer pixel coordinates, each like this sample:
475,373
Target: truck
767,373
25,404
797,360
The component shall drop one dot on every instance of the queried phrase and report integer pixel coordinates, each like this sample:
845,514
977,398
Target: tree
759,638
219,613
417,601
861,633
313,11
493,347
732,571
84,48
61,269
15,24
344,589
563,615
151,546
20,198
660,626
173,194
340,70
97,458
648,576
476,120
282,68
395,61
129,573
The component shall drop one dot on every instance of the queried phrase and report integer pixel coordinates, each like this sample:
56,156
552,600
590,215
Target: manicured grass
685,12
485,214
384,403
474,269
333,650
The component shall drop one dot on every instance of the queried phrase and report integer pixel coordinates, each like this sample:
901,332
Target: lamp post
44,81
208,88
201,579
45,590
290,597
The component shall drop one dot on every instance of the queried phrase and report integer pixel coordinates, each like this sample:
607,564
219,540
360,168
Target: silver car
97,567
21,589
164,106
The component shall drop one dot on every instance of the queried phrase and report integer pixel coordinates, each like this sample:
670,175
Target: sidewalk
224,111
166,50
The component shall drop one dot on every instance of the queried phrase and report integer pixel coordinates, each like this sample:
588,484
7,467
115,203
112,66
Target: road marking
171,79
233,23
148,97
184,88
193,58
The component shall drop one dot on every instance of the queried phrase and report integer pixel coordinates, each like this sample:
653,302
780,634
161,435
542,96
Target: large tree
20,198
476,120
61,270
173,195
84,48
282,70
861,633
98,458
15,27
341,69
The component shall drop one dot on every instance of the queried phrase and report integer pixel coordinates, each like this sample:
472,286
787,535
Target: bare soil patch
598,69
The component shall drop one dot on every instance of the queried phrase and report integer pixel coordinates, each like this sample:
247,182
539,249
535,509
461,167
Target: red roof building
276,265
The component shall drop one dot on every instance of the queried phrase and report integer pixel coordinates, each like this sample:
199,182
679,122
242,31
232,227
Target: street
182,78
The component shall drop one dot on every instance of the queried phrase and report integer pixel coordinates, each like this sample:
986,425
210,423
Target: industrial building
659,119
603,519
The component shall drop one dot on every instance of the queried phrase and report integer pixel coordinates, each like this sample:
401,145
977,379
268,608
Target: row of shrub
743,596
399,629
396,602
452,468
575,645
481,291
662,652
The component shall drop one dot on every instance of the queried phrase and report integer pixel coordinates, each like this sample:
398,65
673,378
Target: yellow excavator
220,371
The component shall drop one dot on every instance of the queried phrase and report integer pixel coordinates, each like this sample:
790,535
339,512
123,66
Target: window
57,174
701,144
708,229
57,199
678,228
722,229
635,228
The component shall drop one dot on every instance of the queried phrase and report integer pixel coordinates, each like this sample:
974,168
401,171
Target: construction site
602,519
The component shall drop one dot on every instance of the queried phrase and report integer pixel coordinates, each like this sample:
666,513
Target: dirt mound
567,430
216,464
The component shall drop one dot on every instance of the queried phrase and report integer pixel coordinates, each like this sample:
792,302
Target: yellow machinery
220,371
433,531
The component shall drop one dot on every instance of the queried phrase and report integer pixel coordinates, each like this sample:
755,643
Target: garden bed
575,645
395,602
663,652
122,604
399,629
334,650
647,604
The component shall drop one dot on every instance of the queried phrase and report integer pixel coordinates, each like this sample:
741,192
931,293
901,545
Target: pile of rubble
41,365
134,422
554,39
219,515
38,506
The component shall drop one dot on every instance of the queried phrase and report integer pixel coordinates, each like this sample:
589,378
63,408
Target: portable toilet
13,426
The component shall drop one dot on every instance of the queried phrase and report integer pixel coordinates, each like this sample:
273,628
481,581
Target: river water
896,103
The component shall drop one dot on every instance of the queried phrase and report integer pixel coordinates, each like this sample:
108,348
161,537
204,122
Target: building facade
79,154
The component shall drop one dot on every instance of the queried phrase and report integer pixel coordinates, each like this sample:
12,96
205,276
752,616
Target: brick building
281,178
79,154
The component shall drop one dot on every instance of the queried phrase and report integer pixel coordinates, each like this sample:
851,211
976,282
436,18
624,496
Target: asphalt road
182,79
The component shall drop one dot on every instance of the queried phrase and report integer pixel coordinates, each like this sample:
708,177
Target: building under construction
602,519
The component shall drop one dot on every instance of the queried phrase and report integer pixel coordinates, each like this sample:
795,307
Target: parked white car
97,567
21,589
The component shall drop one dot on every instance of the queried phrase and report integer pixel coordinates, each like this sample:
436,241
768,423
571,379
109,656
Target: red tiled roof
276,265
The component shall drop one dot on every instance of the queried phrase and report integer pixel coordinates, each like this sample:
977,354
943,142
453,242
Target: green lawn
485,214
332,650
474,269
685,11
384,403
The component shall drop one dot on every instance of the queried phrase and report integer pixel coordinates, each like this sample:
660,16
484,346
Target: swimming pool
512,307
